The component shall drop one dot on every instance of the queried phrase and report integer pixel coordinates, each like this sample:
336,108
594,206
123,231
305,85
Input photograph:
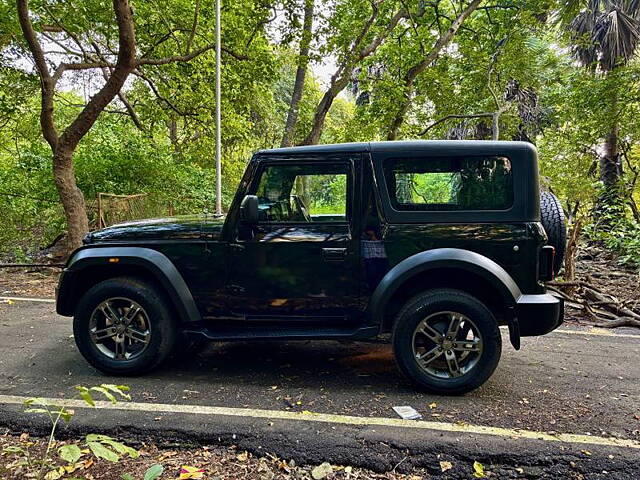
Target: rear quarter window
461,183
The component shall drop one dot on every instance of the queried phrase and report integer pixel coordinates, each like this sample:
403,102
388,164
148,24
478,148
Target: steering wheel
301,208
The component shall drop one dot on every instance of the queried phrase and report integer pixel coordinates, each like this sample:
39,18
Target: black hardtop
433,147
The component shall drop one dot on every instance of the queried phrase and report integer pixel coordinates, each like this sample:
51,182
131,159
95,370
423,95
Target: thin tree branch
194,26
449,117
63,67
159,96
47,83
187,57
124,66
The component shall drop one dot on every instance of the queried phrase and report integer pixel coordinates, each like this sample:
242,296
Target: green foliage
70,453
153,472
101,446
514,58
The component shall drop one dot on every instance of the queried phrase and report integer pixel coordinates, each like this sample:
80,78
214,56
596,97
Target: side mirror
249,209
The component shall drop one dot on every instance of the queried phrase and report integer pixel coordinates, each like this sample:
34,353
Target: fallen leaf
444,466
243,456
53,475
433,405
478,470
322,471
190,472
586,452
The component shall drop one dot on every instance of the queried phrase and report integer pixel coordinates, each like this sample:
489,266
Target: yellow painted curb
343,420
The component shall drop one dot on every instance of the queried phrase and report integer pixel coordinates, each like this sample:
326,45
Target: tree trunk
610,162
301,71
323,109
71,197
495,126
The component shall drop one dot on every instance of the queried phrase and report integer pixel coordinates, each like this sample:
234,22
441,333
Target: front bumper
539,314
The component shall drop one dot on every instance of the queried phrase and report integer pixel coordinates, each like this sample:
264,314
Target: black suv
429,244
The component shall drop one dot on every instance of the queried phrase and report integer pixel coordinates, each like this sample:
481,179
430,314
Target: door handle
334,254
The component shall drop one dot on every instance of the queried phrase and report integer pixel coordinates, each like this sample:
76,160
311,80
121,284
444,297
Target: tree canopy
560,74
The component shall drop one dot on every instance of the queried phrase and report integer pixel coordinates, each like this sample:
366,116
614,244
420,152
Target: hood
171,228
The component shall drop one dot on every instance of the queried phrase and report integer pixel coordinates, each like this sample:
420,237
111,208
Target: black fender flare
156,263
465,260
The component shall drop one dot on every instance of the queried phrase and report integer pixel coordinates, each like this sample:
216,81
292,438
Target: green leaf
11,449
117,389
65,414
86,395
96,437
122,448
127,476
70,453
100,451
478,470
106,393
153,472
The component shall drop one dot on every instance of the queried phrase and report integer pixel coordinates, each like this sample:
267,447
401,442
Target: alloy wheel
120,328
447,345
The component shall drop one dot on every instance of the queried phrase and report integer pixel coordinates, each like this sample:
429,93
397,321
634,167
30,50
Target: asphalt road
574,382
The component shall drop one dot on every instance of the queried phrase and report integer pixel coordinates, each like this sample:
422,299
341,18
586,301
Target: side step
280,332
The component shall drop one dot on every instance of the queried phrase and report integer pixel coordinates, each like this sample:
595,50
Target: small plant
99,446
152,473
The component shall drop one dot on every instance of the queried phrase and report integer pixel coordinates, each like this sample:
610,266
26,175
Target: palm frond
584,49
617,35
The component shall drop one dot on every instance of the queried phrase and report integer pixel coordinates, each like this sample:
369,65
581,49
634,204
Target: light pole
218,149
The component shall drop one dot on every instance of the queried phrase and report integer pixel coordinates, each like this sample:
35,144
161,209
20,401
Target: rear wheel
446,341
122,326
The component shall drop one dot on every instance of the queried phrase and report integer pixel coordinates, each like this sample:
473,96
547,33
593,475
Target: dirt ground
206,462
28,282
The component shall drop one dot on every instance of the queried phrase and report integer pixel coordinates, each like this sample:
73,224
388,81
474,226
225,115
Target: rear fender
439,258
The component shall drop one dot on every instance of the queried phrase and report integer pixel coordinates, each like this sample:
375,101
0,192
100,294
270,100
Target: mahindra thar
430,245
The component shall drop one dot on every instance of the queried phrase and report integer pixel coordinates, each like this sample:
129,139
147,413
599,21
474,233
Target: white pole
218,150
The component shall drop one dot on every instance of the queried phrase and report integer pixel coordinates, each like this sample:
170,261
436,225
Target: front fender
154,262
441,258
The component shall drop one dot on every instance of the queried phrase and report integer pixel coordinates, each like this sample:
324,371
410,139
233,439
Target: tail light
546,261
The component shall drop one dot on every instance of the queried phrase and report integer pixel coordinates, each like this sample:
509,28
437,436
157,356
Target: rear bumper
539,314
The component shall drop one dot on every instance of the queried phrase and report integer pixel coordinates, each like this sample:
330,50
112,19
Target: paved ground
565,382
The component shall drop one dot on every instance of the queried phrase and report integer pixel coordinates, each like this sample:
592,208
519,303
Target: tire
437,307
555,225
151,334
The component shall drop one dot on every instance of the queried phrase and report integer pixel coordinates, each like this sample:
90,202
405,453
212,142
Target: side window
303,193
450,184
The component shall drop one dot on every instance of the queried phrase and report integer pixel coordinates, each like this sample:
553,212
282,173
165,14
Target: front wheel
123,326
446,341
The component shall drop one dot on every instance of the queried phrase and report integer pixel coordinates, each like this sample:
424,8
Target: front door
300,262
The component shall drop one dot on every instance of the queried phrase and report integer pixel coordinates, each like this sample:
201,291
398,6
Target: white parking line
341,419
28,299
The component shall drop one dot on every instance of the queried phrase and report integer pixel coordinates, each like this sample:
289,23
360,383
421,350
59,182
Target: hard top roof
447,146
